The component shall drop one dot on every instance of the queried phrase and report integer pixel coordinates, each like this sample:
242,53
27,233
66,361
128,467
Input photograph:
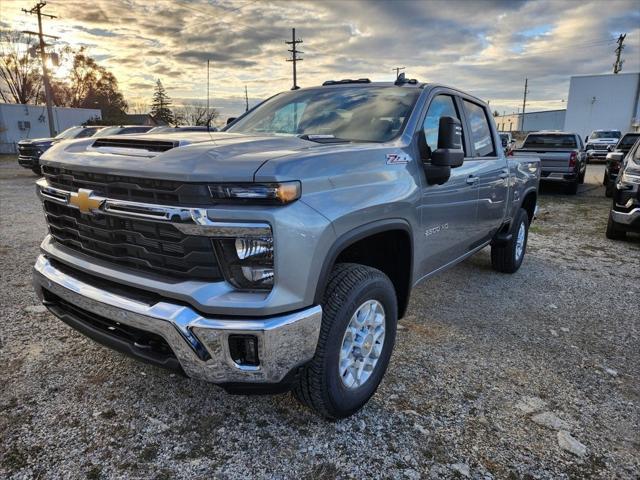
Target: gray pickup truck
562,155
280,253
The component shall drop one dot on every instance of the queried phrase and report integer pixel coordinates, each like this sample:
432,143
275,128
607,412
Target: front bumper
630,220
28,161
557,177
198,344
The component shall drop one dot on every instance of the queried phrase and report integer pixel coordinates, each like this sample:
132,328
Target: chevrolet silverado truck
280,253
29,151
601,142
562,156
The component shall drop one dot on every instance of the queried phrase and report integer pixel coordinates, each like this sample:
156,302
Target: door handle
472,179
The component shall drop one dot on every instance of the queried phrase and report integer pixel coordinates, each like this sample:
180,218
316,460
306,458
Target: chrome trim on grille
190,221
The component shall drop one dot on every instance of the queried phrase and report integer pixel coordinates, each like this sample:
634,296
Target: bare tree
196,114
139,107
20,79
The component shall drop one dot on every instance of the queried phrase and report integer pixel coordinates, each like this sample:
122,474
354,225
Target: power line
294,56
219,20
617,66
37,10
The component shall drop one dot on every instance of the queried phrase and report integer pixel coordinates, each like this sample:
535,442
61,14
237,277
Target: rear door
492,172
448,211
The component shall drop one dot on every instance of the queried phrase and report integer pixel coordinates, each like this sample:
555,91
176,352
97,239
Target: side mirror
586,139
449,154
231,120
615,156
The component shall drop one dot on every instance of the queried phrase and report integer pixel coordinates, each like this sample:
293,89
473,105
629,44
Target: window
363,113
86,132
441,106
481,135
551,140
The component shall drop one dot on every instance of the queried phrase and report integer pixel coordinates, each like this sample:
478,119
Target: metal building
30,121
603,102
533,121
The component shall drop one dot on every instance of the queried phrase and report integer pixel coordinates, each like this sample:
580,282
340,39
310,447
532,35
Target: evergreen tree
161,105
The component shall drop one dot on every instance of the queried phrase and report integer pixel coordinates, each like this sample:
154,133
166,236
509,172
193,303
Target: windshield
550,141
69,132
605,134
367,114
107,131
628,140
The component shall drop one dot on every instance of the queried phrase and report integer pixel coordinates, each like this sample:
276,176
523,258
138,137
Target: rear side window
550,141
481,136
441,106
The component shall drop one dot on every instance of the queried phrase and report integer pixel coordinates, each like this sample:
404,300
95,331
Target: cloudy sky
484,47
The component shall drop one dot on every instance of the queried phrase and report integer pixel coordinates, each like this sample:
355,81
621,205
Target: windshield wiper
322,138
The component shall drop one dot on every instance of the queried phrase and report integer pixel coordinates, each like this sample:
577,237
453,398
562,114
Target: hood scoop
133,146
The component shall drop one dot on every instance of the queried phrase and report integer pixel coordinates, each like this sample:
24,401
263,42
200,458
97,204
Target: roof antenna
400,80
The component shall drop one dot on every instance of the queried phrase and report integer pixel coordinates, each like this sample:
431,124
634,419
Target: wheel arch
385,233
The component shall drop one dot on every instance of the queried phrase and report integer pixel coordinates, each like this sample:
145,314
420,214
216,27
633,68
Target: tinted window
628,140
374,114
86,132
441,106
606,134
127,130
481,136
550,141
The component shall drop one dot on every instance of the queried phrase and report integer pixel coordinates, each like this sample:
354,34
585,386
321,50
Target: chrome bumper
626,218
200,344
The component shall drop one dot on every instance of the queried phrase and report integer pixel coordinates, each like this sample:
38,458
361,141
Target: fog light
244,350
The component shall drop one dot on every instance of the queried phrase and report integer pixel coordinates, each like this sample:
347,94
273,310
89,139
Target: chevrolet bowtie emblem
84,201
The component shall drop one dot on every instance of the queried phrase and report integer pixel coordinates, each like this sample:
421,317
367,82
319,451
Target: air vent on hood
149,145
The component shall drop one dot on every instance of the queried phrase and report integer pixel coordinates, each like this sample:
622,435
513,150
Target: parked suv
624,215
562,156
614,160
599,143
29,151
281,252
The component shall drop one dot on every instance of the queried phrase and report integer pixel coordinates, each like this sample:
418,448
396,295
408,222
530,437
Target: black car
29,151
614,161
624,215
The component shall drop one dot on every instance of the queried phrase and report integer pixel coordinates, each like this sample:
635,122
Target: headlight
630,177
268,193
247,262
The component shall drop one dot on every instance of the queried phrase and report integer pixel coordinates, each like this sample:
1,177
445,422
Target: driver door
448,211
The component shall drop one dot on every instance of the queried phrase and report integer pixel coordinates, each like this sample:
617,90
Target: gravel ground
532,375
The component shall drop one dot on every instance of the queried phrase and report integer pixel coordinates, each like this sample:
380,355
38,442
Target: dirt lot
491,374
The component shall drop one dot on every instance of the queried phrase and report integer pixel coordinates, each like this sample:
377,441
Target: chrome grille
118,187
146,245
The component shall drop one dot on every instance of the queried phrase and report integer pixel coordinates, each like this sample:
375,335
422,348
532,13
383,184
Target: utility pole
397,69
246,99
524,101
617,66
208,121
37,10
294,56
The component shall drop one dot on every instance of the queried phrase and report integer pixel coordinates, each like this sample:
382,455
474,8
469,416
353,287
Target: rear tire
324,383
613,231
581,177
608,189
572,188
507,257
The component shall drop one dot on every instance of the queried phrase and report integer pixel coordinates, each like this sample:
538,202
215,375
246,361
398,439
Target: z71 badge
397,158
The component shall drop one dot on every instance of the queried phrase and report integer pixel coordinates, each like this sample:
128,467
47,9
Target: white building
30,121
533,121
606,102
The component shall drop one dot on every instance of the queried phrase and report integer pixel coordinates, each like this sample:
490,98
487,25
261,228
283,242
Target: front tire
507,257
608,190
357,335
613,231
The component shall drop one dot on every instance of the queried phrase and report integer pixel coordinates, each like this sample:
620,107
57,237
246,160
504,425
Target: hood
188,156
37,141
